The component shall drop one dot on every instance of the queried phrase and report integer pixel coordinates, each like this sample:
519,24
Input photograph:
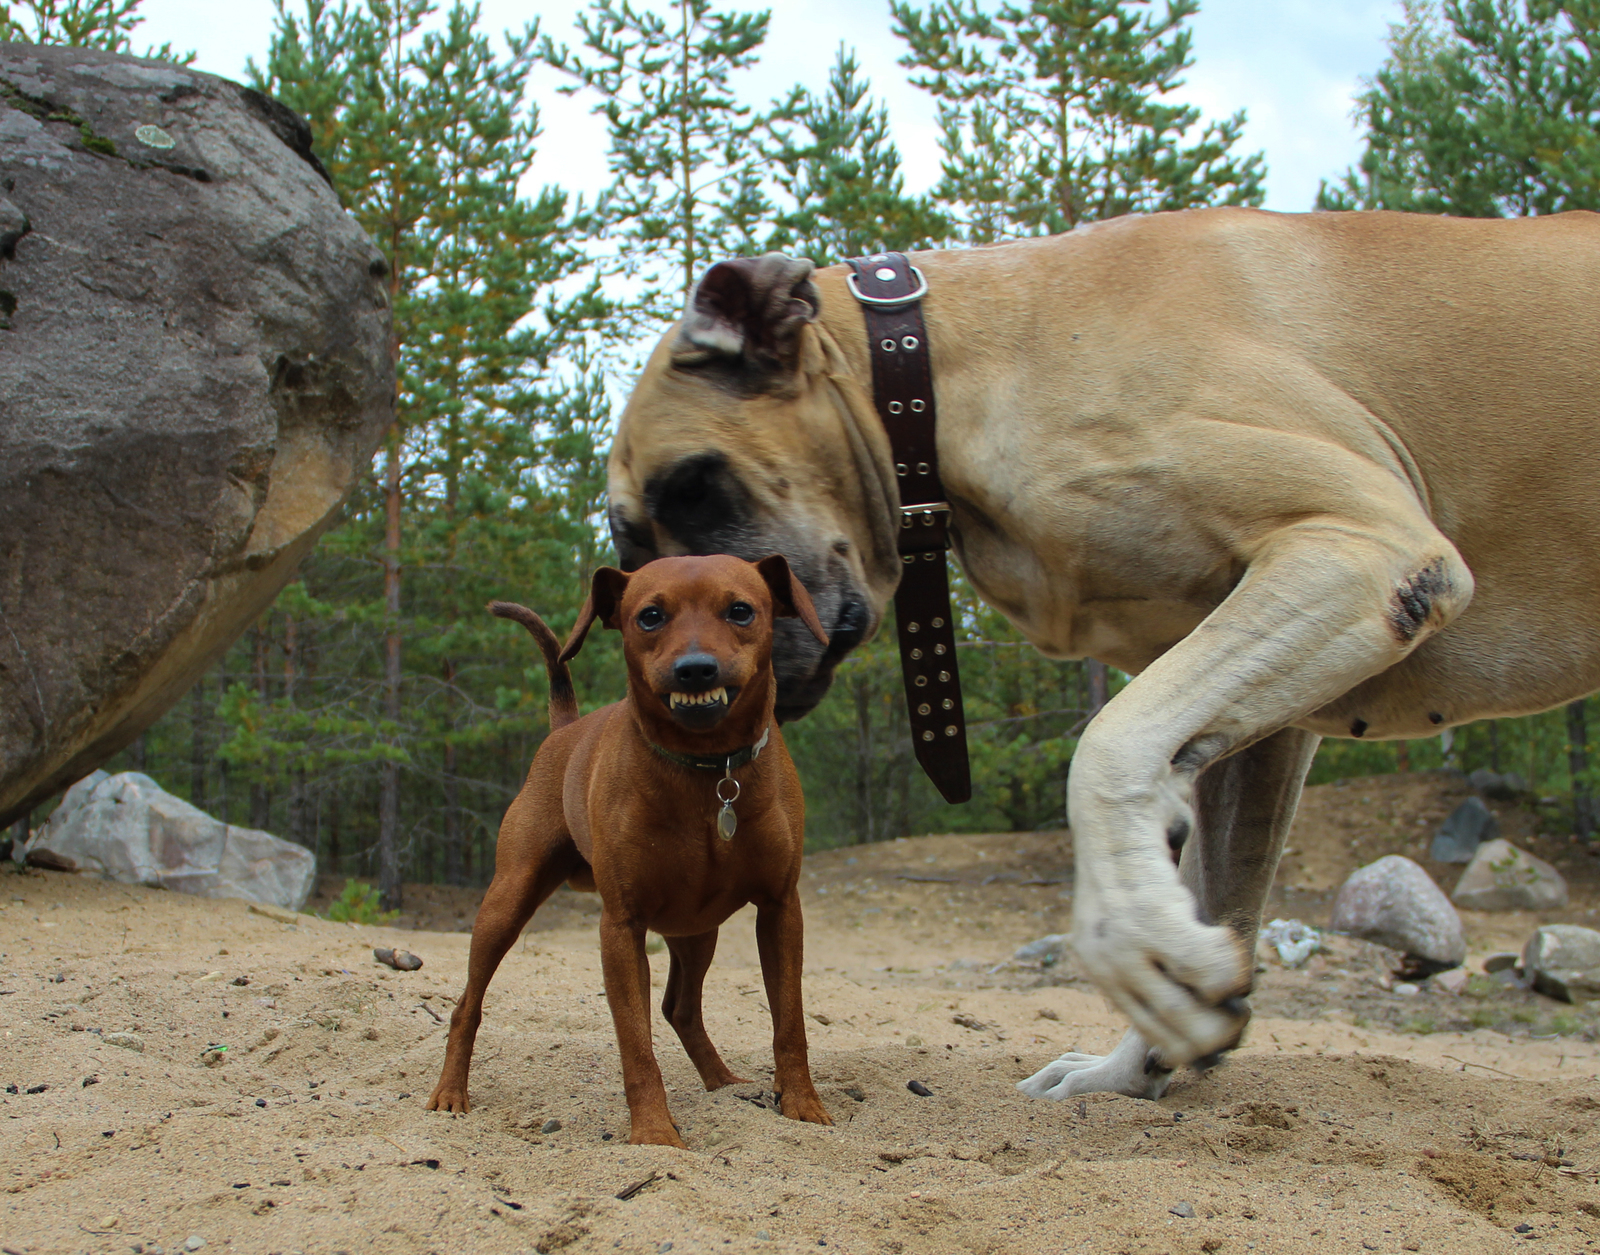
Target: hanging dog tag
727,821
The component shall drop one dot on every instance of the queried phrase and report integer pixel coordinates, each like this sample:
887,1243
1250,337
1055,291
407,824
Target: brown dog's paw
449,1098
656,1135
807,1107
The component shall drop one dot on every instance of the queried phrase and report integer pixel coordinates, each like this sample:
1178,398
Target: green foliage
1053,113
103,24
357,903
840,173
684,152
1483,109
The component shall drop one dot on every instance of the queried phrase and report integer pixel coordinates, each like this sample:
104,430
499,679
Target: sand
1357,1118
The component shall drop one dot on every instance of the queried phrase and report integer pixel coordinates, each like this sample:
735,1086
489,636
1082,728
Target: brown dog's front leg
691,957
780,937
627,974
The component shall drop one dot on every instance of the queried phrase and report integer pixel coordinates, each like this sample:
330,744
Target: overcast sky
1292,65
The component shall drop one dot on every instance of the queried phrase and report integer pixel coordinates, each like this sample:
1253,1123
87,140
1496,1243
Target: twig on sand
1465,1065
625,1194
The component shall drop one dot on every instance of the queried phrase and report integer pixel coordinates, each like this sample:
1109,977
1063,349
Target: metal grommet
913,627
949,703
927,518
908,558
905,520
923,468
930,556
895,407
910,343
938,623
916,653
927,736
951,730
922,681
900,468
885,273
944,677
924,709
887,345
938,649
918,406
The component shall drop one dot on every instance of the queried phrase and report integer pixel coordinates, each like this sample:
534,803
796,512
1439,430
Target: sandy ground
1357,1118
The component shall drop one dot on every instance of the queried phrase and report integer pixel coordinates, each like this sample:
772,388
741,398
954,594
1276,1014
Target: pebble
1407,990
1452,982
193,1242
550,1126
919,1089
665,1246
261,1102
400,960
1184,1211
128,1041
1501,962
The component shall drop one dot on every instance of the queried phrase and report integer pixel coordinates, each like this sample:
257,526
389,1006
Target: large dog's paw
449,1096
1181,982
1132,1069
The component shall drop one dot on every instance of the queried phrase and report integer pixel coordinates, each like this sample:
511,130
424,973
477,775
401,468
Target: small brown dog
679,805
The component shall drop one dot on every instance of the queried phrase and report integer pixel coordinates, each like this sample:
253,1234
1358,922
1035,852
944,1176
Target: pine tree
428,134
104,24
684,153
1053,113
840,173
1483,109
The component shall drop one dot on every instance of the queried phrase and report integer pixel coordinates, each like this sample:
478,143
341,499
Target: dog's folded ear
603,603
789,597
748,311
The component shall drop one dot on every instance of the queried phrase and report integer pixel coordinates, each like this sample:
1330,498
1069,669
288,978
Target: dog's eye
650,618
741,613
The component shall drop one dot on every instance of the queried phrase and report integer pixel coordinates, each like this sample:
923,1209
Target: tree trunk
138,755
297,775
452,789
864,762
197,743
1583,817
1099,686
1402,756
260,794
1494,745
222,763
389,796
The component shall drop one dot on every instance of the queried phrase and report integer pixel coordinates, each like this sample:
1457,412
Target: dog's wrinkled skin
604,810
1302,475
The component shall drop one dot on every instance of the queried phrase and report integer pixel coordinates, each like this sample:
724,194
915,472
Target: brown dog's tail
563,701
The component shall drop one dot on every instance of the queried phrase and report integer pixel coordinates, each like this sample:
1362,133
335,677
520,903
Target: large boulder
194,369
1503,878
1396,904
128,829
1467,827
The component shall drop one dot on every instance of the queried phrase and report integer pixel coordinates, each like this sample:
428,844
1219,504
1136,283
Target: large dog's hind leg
1243,808
691,958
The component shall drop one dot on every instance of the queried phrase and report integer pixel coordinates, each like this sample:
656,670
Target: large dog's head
748,434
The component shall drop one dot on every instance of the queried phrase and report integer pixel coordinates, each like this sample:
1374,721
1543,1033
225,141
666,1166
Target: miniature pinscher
679,805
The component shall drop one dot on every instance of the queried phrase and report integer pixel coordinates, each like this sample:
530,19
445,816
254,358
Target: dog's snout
696,670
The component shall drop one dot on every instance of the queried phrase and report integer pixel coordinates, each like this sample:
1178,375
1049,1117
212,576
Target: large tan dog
1303,476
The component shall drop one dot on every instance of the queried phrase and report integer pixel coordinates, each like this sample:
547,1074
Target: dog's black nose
696,670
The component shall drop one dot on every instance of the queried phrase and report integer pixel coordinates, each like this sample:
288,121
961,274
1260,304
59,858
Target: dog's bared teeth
700,699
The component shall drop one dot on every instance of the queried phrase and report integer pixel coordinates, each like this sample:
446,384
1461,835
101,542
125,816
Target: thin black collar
716,762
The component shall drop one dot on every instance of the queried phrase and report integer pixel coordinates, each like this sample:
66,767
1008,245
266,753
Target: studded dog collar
890,291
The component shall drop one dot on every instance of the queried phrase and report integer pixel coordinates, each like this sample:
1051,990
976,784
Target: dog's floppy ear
749,310
789,597
603,603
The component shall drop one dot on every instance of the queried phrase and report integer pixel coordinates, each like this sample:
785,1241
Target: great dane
1299,475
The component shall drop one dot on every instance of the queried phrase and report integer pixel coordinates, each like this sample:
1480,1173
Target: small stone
1049,1013
193,1242
261,1102
1394,903
281,914
1497,787
664,1247
1183,1210
1407,990
1501,877
1502,961
1292,941
919,1089
550,1126
128,1041
856,1092
1563,961
1411,1244
370,1035
1468,826
1524,1227
763,1236
1047,951
400,960
1453,981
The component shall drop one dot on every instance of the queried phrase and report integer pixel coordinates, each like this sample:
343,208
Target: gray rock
1498,787
129,829
194,371
128,1041
1503,878
1046,951
1394,902
1466,828
1563,961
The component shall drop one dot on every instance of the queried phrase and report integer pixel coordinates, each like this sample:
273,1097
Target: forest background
377,715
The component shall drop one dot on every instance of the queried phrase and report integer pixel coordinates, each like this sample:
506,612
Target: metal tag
727,822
